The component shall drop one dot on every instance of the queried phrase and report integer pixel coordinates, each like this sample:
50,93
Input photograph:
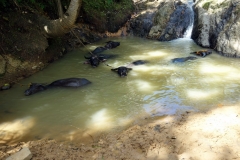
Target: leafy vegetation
42,6
103,14
206,5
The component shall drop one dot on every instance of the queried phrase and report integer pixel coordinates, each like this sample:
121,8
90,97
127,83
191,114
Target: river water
111,103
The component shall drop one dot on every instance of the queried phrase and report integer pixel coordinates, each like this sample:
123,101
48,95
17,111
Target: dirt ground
212,135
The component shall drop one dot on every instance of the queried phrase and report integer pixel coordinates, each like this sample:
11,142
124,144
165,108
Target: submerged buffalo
68,82
202,53
183,59
98,50
122,71
139,62
109,45
94,60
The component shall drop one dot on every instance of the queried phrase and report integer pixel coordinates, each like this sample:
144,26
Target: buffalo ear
115,69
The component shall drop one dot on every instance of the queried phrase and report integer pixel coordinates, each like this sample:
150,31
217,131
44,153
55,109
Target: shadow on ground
189,136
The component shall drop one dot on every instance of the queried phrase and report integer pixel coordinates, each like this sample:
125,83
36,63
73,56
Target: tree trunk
59,6
58,27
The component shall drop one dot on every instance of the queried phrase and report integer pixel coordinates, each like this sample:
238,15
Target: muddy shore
187,136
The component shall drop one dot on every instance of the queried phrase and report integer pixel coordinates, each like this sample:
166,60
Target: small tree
66,21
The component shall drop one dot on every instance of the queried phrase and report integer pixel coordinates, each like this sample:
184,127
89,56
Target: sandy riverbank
212,135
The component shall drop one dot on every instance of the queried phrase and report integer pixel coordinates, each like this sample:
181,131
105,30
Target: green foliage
104,5
3,3
206,5
39,5
101,8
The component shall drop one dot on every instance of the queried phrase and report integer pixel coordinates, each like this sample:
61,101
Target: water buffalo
99,50
122,71
68,82
34,88
202,53
94,60
111,44
139,62
183,59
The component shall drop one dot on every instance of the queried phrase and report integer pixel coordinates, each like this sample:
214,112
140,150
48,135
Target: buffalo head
34,88
95,60
122,71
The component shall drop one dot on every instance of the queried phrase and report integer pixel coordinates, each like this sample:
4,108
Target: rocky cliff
217,26
162,20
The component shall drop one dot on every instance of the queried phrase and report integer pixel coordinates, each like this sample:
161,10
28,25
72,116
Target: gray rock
217,26
163,20
23,154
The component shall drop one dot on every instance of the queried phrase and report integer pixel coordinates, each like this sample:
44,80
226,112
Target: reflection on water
110,102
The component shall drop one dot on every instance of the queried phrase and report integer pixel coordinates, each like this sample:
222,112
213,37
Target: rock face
142,20
217,26
163,20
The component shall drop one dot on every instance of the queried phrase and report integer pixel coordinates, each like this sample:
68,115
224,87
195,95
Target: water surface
112,103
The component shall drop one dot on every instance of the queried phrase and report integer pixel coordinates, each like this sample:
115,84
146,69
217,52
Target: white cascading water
188,32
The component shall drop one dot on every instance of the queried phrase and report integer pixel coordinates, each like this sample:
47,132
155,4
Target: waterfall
188,32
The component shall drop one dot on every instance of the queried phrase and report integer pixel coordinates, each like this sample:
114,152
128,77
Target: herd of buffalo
94,60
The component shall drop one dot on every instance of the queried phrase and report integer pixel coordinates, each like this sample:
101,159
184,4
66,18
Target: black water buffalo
94,60
68,82
99,50
183,59
122,71
202,53
139,62
111,44
34,88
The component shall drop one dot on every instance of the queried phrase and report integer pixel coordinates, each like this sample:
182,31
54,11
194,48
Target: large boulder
216,26
142,21
180,20
163,20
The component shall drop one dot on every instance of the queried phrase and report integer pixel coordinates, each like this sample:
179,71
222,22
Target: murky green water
110,102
